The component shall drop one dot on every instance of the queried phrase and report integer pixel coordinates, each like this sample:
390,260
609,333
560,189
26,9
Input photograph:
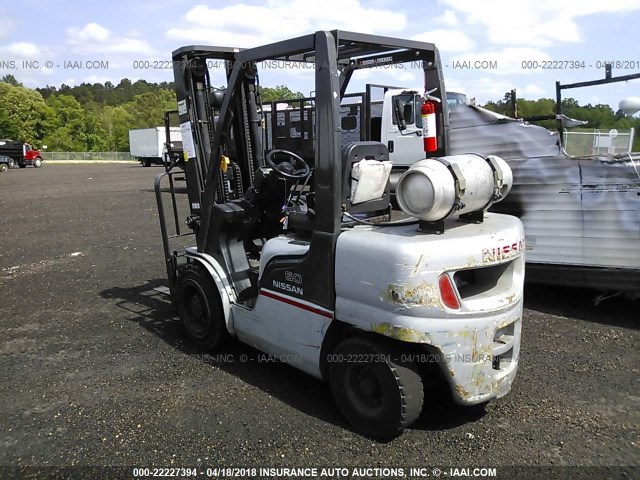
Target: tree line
90,117
97,117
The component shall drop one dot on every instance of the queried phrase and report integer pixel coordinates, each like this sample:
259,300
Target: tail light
448,292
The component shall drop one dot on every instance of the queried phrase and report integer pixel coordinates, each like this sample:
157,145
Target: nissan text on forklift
301,258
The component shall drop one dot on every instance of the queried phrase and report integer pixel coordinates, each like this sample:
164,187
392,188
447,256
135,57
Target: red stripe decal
292,302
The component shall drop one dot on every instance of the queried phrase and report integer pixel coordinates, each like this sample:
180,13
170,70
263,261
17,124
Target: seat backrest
369,180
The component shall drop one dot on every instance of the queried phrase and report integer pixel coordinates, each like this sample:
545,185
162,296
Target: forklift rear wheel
200,308
37,162
377,392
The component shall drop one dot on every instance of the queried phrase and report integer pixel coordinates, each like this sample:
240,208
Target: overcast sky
128,34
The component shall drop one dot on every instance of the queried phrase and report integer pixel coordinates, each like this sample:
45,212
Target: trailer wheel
146,162
37,162
200,308
375,390
3,167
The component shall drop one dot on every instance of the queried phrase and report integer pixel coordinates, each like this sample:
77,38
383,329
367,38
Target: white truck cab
405,147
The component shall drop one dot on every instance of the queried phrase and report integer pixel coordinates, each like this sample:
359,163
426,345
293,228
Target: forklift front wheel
200,308
377,393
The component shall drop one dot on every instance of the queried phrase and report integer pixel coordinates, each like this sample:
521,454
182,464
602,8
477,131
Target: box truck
147,145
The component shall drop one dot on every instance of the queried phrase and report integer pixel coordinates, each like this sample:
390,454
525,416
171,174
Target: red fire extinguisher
429,134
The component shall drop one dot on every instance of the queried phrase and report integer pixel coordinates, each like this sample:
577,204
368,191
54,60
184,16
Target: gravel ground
94,369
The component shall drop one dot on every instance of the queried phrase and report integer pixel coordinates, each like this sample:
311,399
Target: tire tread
221,335
406,375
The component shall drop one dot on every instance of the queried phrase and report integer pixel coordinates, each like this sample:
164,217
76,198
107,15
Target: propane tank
442,187
429,133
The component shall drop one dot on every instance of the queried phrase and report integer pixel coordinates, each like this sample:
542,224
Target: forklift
300,258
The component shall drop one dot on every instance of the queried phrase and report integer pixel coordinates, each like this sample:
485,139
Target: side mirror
398,111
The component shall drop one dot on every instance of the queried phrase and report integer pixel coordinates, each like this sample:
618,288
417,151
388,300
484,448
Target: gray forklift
299,257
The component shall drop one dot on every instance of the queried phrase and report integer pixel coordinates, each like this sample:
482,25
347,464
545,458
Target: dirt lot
94,369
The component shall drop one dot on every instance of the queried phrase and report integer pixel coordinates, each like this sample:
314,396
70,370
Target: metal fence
598,142
95,156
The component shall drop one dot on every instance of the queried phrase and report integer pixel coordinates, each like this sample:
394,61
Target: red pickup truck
22,153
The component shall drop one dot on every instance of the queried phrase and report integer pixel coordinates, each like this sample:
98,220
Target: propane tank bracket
459,182
498,178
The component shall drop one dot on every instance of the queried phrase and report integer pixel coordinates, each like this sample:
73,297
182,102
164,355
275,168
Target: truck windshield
454,99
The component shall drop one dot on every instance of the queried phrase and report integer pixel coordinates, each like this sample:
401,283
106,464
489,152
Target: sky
487,47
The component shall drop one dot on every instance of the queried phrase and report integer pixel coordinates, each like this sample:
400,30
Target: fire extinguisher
429,134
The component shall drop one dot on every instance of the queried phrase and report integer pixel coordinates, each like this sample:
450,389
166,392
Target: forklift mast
223,136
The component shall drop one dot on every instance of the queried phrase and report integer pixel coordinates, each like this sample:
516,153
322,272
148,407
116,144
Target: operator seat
352,153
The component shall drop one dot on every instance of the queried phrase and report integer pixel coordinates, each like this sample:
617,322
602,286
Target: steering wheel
293,166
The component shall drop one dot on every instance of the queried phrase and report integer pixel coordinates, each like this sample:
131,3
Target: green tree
31,118
281,92
7,127
75,128
95,127
67,130
11,80
147,110
117,122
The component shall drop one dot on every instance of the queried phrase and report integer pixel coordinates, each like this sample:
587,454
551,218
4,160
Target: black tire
200,308
37,162
22,165
146,162
3,167
378,394
12,163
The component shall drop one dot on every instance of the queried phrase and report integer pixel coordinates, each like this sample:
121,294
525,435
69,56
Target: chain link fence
598,142
93,156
